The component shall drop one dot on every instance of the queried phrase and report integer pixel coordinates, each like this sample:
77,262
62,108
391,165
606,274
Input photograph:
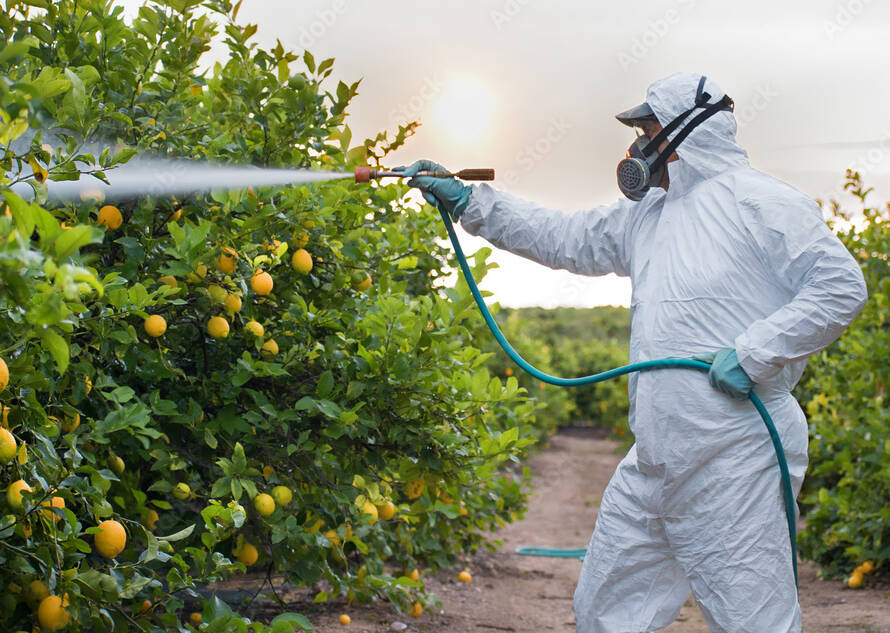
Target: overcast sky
531,87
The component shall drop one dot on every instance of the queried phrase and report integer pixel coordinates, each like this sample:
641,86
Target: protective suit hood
711,148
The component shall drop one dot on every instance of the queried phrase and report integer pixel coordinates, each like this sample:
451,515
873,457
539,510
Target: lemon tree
847,491
160,354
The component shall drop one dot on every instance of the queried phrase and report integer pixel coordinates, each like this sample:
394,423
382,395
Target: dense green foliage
847,491
570,342
372,389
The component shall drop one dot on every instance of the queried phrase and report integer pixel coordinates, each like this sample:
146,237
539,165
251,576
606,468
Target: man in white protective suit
725,261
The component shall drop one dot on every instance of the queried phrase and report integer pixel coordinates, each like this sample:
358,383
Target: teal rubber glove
726,374
449,194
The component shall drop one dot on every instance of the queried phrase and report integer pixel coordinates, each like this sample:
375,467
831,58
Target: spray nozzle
366,174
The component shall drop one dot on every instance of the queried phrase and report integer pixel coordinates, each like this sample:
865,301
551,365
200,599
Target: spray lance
365,174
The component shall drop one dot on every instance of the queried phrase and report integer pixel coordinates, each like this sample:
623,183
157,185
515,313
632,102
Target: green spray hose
673,363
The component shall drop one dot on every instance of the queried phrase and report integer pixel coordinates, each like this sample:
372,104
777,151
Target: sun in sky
463,111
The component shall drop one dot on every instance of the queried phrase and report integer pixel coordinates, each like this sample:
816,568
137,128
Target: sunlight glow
463,112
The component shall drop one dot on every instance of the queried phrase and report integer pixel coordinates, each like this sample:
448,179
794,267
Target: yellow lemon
174,217
268,471
345,620
195,618
88,383
35,593
14,494
248,554
386,511
70,425
855,580
332,536
182,491
301,238
155,325
233,302
282,495
264,504
867,567
226,261
51,614
198,275
8,447
465,576
270,348
302,261
169,280
360,281
54,502
218,327
371,510
414,488
416,610
150,520
110,216
4,374
414,575
254,328
112,540
261,282
116,464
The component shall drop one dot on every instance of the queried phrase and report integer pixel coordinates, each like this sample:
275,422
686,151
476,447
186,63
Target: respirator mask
644,165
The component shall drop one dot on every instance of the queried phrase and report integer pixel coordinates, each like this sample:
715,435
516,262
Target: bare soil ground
530,595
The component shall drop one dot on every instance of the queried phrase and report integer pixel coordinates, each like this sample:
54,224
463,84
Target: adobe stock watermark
538,150
410,110
509,10
844,14
322,22
656,30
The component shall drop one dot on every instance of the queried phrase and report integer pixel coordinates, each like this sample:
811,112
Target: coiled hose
665,363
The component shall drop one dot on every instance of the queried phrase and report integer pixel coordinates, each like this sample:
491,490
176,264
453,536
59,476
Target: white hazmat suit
727,257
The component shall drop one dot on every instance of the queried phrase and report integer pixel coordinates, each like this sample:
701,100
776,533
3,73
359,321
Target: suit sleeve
592,242
823,279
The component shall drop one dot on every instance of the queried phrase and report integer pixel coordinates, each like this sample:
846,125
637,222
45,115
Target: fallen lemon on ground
155,325
465,576
416,610
8,446
52,614
218,327
110,216
302,261
345,620
261,282
264,504
112,540
855,580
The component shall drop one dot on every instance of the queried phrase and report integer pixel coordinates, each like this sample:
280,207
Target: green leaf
69,242
325,384
57,347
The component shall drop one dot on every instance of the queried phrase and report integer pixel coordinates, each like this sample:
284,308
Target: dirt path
531,595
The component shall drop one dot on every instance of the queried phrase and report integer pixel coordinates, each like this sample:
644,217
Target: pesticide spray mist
163,178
